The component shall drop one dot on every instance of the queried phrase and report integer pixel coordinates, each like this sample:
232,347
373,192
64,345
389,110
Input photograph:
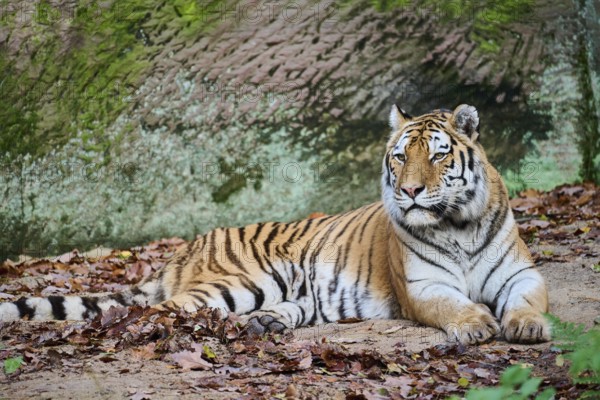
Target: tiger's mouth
438,209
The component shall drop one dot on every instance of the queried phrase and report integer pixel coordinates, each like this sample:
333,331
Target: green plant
582,349
516,383
12,364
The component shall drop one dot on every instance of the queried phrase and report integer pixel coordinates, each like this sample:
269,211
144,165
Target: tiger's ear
466,121
398,117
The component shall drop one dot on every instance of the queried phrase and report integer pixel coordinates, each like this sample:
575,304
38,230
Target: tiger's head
434,170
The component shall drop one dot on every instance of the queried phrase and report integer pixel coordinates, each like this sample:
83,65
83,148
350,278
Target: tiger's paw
525,326
258,325
475,325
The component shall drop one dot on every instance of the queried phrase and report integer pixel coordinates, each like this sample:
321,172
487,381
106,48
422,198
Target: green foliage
583,350
12,364
516,383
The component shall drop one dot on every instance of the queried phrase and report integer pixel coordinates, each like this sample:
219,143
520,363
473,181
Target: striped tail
72,307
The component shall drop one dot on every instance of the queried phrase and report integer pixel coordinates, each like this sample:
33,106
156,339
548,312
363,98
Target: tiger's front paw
475,325
525,326
258,325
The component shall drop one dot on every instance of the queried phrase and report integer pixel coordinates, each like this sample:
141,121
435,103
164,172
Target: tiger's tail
76,307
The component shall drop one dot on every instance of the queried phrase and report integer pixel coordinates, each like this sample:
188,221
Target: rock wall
123,124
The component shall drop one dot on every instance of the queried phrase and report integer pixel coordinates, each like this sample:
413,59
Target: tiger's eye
439,156
400,157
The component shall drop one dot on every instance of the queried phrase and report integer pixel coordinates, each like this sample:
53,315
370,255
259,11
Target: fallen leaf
391,330
352,320
142,395
191,360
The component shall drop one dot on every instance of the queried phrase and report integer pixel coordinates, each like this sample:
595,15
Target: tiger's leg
276,318
442,306
233,293
520,304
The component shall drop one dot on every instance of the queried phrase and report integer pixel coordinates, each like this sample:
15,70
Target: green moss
487,18
83,84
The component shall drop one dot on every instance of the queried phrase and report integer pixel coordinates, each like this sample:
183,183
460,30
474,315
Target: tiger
440,248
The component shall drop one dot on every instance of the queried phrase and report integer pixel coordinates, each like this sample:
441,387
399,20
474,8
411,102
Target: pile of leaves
274,365
259,367
568,215
74,273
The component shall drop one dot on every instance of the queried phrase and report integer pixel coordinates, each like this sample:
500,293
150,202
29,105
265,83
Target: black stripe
333,284
257,257
471,160
285,228
302,290
58,307
364,226
370,263
495,267
419,236
259,228
343,230
431,262
388,169
434,123
25,310
497,222
259,294
213,264
293,237
280,283
355,287
119,298
303,316
317,251
415,280
497,296
199,298
231,253
320,220
462,167
180,264
269,239
226,294
204,292
437,283
320,305
91,307
159,296
342,307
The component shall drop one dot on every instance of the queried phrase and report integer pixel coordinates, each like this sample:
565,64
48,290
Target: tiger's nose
412,191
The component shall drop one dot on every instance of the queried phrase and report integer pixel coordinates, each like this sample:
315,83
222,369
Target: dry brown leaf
191,360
